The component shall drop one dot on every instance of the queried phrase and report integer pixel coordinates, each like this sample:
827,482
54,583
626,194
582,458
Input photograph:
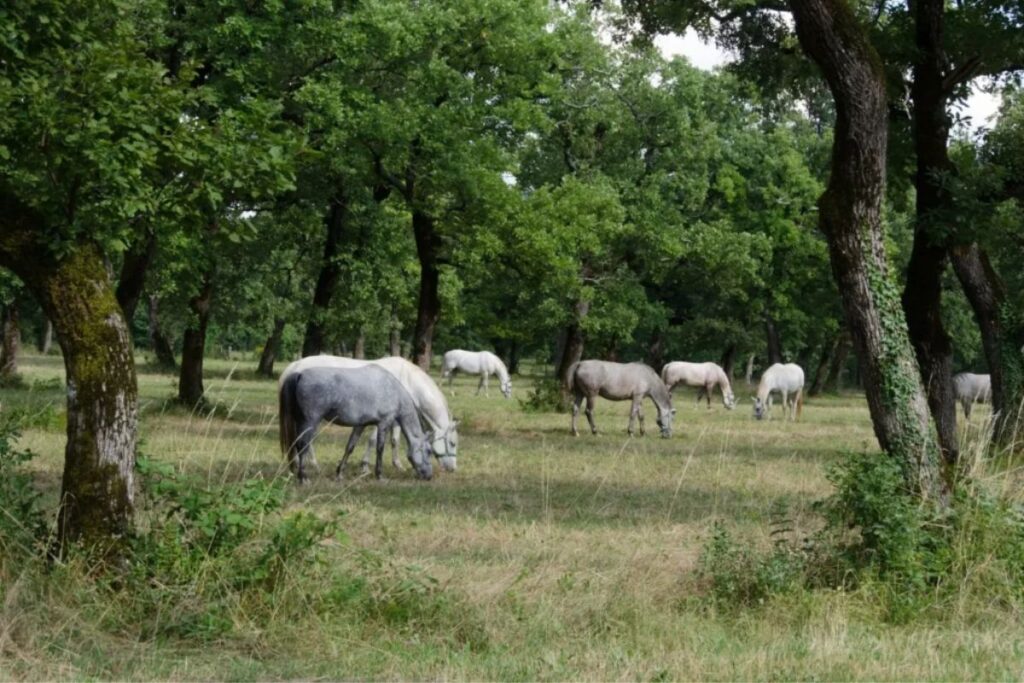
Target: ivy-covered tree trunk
428,244
572,349
75,292
327,280
656,350
10,340
193,347
850,218
158,341
271,348
922,296
133,275
1002,335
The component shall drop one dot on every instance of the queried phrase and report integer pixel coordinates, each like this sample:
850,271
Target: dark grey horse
619,382
356,397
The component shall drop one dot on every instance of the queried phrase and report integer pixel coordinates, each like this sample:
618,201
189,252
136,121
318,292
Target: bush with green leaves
23,523
546,396
907,556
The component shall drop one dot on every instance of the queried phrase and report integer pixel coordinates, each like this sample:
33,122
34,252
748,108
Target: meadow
543,557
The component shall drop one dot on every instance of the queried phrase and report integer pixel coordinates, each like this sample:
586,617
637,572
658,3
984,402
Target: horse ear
673,411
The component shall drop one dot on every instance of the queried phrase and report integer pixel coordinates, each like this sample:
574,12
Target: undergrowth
909,559
208,563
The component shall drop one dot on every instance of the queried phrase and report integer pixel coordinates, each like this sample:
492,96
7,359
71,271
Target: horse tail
571,377
289,414
799,402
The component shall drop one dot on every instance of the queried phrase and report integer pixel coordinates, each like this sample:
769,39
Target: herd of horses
394,397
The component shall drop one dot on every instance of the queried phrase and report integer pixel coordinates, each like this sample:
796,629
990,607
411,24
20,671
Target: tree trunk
330,270
10,340
193,347
75,292
271,349
922,296
750,370
1001,334
133,275
828,351
572,350
395,335
729,360
513,358
834,381
428,244
359,348
656,351
774,343
850,217
45,340
158,341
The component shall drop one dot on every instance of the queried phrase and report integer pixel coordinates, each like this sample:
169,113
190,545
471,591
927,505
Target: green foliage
878,538
23,524
546,396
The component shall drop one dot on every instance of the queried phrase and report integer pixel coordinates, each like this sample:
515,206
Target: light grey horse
969,389
705,376
483,363
786,378
619,382
356,397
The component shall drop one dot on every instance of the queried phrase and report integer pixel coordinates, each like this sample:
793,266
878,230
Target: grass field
561,557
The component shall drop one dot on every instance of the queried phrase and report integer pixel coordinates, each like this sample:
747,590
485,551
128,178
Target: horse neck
409,421
764,388
723,380
659,394
500,369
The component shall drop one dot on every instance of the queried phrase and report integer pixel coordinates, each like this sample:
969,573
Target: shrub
23,525
546,397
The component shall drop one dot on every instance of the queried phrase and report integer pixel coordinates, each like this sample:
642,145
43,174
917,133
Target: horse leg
577,399
708,390
353,439
700,394
369,447
634,409
590,414
786,412
396,433
640,414
303,450
382,441
968,404
482,384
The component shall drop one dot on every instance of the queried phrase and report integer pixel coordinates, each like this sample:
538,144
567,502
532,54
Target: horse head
730,400
420,459
665,420
445,445
760,409
506,388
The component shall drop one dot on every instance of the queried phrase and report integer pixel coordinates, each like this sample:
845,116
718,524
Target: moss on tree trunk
75,292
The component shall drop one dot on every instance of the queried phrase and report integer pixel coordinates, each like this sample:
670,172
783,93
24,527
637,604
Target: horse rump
289,415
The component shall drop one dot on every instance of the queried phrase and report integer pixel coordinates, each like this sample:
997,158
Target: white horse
483,363
785,378
969,389
428,399
707,376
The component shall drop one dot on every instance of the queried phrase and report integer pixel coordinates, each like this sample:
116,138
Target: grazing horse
483,363
619,382
969,389
785,378
356,397
429,400
707,376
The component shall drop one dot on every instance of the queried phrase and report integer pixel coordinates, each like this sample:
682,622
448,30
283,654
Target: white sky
981,106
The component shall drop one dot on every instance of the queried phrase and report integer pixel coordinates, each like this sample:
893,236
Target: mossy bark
134,269
75,292
850,217
572,349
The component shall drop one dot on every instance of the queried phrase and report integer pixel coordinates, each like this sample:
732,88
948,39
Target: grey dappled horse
705,376
969,389
620,382
355,397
